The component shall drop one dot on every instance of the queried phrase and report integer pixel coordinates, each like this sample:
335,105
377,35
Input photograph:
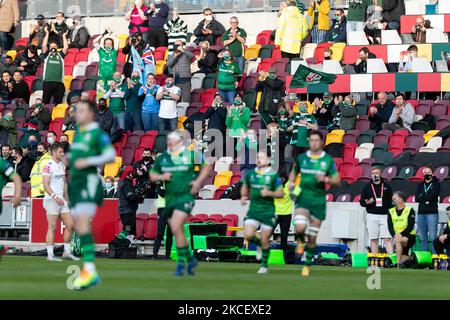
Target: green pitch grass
35,278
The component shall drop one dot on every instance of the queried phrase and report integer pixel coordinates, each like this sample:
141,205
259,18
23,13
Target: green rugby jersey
309,166
256,180
6,173
300,132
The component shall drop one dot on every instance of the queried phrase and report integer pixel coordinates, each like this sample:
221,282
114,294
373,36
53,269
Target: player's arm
245,189
107,155
156,173
15,178
277,186
293,176
46,178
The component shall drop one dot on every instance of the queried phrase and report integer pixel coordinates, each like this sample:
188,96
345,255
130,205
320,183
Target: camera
141,190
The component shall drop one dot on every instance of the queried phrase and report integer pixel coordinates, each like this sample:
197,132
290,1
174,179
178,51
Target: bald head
382,97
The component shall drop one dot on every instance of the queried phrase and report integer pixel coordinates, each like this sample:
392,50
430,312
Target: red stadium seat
219,192
418,176
81,56
265,65
193,108
397,140
344,198
446,200
411,199
196,95
357,198
118,226
362,124
201,216
127,155
349,151
147,141
235,178
207,99
133,140
216,218
413,143
338,162
250,82
396,150
439,110
329,197
351,53
350,172
140,225
151,227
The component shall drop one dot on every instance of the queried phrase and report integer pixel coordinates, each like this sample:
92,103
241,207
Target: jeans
241,63
5,41
228,95
167,125
393,25
133,121
150,121
120,120
427,228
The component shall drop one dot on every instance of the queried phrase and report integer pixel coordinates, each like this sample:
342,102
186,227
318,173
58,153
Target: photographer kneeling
129,199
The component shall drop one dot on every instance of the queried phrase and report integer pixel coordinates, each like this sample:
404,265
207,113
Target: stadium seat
56,126
70,134
133,140
207,99
59,111
446,200
140,225
356,38
338,51
308,50
219,192
223,179
350,172
159,67
366,137
127,155
344,198
441,173
433,145
197,80
265,65
249,99
223,164
350,137
389,173
151,226
384,159
419,176
216,218
209,82
207,192
405,173
181,120
348,151
266,51
380,139
329,197
413,144
193,108
362,124
335,136
112,169
252,52
364,151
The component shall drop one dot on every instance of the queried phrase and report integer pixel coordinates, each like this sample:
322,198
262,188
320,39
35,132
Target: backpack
122,249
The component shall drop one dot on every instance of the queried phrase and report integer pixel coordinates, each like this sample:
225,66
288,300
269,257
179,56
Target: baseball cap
40,17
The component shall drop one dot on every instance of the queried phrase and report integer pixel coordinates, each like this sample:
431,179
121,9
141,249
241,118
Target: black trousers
285,222
289,56
162,223
157,38
129,223
439,246
53,89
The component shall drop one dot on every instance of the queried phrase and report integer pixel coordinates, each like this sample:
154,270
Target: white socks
67,248
90,266
50,251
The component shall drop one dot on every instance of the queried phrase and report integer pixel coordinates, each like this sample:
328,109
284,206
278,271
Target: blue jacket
337,32
157,20
150,104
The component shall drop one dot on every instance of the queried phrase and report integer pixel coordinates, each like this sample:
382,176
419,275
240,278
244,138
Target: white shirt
57,173
168,107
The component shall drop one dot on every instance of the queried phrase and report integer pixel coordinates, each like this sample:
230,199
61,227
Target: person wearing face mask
401,219
285,128
168,97
53,76
150,105
176,29
180,64
344,114
115,94
42,158
69,117
28,61
30,133
40,115
51,138
238,118
21,163
137,42
78,34
338,29
64,142
272,94
427,195
8,129
319,23
227,78
322,110
207,61
216,116
58,29
209,29
108,57
104,116
157,13
110,191
6,87
303,123
37,31
133,103
376,197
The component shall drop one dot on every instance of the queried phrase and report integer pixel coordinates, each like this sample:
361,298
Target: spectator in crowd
110,190
283,5
53,77
180,64
234,39
168,96
64,142
285,127
51,138
360,65
338,29
137,41
176,29
58,30
401,219
138,19
28,61
319,22
9,19
31,136
20,90
105,117
85,96
69,117
37,31
322,110
6,153
157,14
42,158
443,242
402,116
150,105
303,123
381,112
419,30
392,11
356,15
376,197
116,94
108,57
227,81
344,114
8,129
209,29
22,164
8,65
272,94
291,30
78,34
375,23
142,168
216,116
207,61
406,58
238,118
427,195
40,115
133,103
6,87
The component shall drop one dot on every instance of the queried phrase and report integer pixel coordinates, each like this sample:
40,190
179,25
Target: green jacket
133,101
10,126
238,121
357,10
116,99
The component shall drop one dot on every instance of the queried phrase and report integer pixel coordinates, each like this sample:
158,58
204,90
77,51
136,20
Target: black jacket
362,67
144,181
393,10
324,119
113,193
217,117
209,63
382,116
272,94
32,63
23,168
21,90
367,194
81,38
105,119
5,94
428,201
217,30
128,200
43,118
338,31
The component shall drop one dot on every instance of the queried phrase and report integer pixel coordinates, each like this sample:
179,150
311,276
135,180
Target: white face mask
208,18
108,185
50,140
157,1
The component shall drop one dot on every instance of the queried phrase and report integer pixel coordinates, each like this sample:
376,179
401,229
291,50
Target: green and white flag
305,76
